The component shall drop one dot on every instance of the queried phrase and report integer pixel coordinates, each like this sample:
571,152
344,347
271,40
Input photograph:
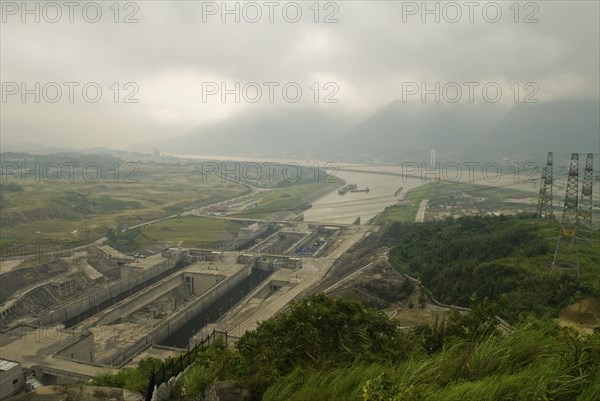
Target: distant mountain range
40,149
261,134
395,132
566,126
400,131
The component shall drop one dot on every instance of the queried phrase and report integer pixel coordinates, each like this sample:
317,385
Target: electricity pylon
566,255
585,204
545,198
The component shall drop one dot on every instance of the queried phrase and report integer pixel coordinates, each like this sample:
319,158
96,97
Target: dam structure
102,312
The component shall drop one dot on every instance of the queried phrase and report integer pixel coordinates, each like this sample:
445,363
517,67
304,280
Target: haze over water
384,180
383,184
334,208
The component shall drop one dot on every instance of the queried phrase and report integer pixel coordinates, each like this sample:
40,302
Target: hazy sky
176,49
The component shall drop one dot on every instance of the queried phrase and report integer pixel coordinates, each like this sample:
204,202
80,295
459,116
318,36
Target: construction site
68,317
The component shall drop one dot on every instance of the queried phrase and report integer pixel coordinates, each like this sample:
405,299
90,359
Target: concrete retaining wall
243,241
175,321
82,350
94,299
139,300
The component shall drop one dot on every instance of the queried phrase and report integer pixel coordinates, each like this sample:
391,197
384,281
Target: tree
318,331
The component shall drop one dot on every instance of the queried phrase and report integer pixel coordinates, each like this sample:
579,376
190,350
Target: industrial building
12,379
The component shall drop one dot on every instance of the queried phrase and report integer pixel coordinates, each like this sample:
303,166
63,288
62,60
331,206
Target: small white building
12,379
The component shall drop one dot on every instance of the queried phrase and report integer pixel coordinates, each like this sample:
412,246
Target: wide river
334,208
383,181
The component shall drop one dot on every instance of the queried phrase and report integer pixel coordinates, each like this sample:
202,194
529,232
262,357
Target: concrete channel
166,299
215,310
90,304
178,328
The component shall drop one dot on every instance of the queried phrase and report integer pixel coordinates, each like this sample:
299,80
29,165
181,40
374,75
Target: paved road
307,278
421,213
37,346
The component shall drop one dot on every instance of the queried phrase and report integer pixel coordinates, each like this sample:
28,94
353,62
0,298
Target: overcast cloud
369,53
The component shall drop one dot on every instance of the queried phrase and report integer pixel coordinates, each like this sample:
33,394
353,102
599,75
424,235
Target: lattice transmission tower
585,203
544,210
566,255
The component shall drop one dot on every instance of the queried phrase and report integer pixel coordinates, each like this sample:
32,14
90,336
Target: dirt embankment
19,278
384,288
380,285
584,314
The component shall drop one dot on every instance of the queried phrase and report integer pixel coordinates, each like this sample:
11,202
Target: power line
566,254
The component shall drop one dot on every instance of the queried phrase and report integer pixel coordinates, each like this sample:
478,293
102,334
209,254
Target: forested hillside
505,259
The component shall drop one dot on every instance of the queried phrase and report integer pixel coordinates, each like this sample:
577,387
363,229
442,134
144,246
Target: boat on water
398,191
366,190
347,188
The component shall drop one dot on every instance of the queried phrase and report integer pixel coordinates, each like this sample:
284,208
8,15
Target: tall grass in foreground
326,349
531,363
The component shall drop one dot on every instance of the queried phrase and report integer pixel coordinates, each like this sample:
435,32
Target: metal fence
174,366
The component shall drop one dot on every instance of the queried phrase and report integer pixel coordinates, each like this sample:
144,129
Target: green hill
505,259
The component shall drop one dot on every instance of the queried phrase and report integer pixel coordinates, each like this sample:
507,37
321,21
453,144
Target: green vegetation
191,231
506,259
214,364
322,348
267,174
71,199
405,212
334,349
445,197
39,208
535,362
10,187
134,379
286,198
317,332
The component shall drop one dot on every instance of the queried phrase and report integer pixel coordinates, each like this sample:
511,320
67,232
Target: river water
334,208
384,180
